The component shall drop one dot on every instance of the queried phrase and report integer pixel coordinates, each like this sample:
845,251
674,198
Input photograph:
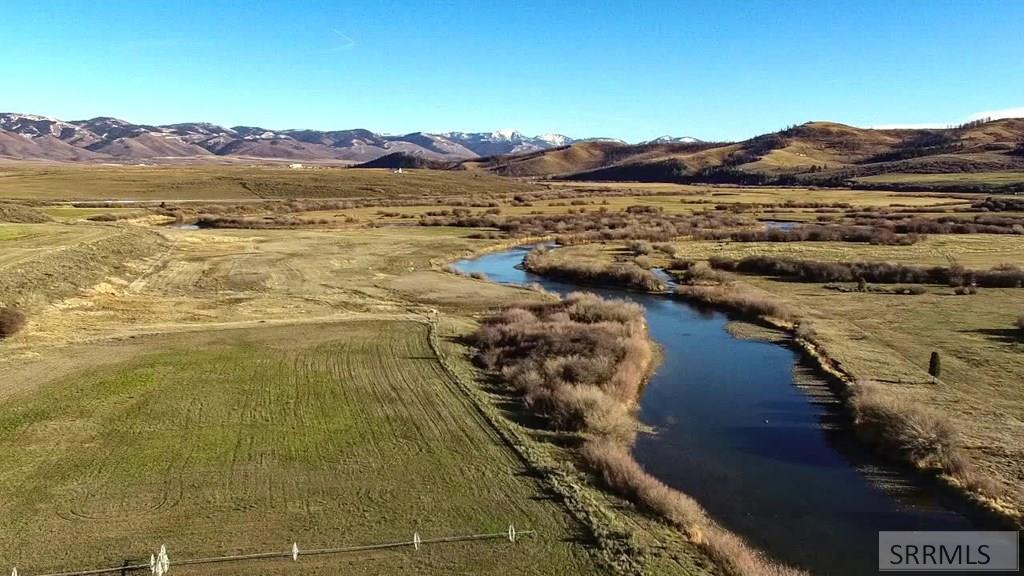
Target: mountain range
105,139
814,153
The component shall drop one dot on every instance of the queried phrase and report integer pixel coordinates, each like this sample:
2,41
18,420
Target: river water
761,454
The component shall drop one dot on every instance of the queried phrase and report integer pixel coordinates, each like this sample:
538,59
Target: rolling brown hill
825,153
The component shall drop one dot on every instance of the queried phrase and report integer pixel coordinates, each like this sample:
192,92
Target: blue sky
633,70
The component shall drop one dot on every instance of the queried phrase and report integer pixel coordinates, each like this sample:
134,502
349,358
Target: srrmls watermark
953,551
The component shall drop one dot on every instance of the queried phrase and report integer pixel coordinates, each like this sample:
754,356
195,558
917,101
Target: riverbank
901,432
581,363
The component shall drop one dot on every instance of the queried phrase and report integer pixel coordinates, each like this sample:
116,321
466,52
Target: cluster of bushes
210,221
952,186
922,143
187,212
863,287
1004,276
627,274
704,284
740,299
581,363
21,213
909,433
634,223
117,216
814,233
981,224
992,204
693,273
12,320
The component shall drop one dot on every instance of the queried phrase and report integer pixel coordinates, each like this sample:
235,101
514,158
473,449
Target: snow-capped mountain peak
510,135
667,139
34,125
556,139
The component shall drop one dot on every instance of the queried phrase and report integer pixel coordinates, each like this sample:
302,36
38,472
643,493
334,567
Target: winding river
765,456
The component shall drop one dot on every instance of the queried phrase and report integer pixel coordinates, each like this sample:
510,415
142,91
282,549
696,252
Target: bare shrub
667,249
910,433
740,299
620,472
546,350
1002,276
627,274
640,247
819,232
641,223
617,469
912,290
12,321
914,435
702,273
581,363
20,213
806,331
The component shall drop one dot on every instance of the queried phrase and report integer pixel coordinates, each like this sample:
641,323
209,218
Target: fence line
160,563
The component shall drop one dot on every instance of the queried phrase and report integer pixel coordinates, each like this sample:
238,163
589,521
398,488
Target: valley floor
234,390
228,391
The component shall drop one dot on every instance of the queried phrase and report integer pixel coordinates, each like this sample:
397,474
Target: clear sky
633,70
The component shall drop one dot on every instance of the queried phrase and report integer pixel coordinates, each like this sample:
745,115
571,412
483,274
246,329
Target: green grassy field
970,250
65,213
235,182
234,441
995,178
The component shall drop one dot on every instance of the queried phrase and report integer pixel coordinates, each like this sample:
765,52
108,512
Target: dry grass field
149,183
969,250
228,390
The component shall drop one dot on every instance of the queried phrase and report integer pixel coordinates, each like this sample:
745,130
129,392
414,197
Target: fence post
161,564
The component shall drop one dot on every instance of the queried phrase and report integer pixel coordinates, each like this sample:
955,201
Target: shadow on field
1003,335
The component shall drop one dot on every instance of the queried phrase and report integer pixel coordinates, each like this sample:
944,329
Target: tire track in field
429,400
337,356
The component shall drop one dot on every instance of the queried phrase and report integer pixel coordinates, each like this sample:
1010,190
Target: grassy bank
581,364
627,274
897,416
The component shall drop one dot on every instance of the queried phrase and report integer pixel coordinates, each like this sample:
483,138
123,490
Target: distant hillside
823,153
584,156
106,139
405,160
